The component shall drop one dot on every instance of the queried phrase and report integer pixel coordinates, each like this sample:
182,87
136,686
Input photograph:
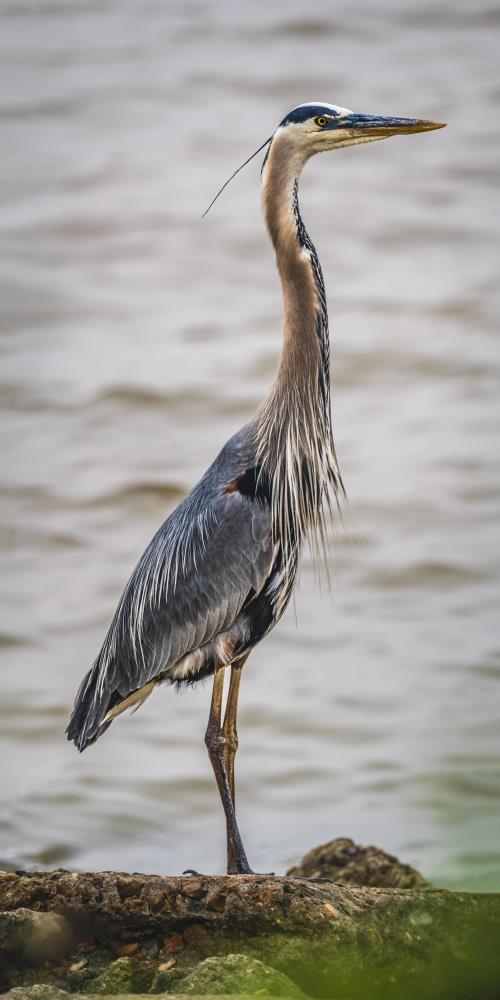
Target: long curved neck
305,352
294,435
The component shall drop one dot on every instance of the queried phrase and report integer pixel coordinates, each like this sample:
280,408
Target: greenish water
135,338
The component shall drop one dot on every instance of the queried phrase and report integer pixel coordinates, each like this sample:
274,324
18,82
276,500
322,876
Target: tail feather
86,722
93,711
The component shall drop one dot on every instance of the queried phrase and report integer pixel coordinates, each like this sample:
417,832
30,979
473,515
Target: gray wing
212,553
188,587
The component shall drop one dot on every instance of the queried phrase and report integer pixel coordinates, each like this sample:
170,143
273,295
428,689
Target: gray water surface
135,338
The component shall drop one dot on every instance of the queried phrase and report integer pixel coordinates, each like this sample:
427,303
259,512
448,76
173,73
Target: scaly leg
229,725
214,739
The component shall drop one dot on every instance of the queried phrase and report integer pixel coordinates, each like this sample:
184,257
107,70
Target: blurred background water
135,338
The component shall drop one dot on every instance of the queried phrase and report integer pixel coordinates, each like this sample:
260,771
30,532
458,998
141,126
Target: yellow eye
321,121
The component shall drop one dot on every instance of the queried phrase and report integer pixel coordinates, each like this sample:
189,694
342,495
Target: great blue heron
219,573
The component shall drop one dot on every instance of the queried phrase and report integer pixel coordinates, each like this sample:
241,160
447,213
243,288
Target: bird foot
246,871
250,871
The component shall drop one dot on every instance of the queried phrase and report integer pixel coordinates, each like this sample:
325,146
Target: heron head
316,127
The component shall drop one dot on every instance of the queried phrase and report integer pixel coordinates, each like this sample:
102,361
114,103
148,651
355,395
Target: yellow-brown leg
214,739
229,731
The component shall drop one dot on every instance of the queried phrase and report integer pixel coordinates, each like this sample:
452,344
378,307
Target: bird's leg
214,739
229,725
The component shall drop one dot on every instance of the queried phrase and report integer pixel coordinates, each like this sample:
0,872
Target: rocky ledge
111,933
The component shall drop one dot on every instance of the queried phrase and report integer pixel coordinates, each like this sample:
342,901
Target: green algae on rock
117,977
236,974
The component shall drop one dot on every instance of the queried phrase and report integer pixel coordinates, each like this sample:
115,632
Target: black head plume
266,143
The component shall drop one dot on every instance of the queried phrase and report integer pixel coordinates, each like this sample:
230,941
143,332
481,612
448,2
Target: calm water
135,338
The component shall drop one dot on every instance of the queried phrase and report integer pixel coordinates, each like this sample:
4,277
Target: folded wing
205,561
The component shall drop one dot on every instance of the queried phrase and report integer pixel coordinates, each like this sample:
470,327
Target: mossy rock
39,991
119,934
118,977
230,974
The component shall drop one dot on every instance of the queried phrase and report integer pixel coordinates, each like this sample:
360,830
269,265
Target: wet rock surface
111,933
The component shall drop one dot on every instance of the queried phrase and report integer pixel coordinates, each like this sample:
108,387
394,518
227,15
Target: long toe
249,871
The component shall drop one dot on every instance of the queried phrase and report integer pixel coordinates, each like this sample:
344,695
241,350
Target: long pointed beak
381,127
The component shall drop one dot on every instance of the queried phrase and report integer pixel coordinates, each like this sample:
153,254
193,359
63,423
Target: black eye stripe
305,112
